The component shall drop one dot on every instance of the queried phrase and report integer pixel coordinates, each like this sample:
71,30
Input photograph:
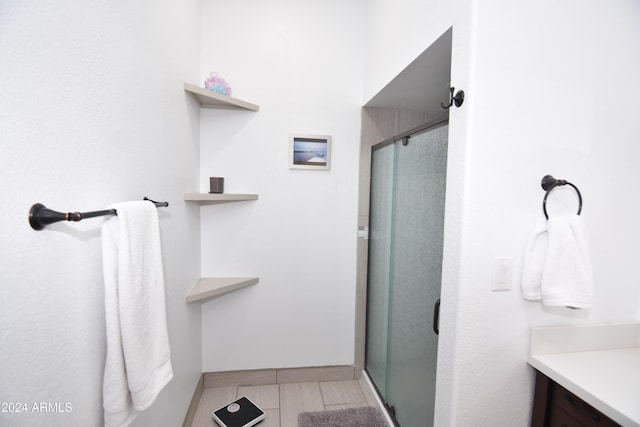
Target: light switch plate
502,274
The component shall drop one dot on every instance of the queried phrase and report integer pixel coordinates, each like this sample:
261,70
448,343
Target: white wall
551,89
567,120
92,112
301,61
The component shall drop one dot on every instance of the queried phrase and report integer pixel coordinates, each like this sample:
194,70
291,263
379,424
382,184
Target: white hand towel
533,265
557,266
567,279
138,362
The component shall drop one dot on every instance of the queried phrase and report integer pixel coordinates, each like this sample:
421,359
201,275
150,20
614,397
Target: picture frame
312,152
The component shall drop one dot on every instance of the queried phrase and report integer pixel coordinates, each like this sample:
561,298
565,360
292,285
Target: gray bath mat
367,416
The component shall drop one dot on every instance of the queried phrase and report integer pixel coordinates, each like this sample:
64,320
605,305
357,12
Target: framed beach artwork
310,152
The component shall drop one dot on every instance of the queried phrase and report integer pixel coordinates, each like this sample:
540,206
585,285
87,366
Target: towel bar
40,216
549,183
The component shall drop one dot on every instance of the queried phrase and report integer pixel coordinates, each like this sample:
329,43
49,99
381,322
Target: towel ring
549,183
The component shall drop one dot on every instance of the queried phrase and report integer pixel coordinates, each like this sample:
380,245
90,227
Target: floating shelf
210,288
211,198
208,99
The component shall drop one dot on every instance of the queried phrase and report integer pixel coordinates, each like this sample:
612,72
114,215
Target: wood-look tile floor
283,402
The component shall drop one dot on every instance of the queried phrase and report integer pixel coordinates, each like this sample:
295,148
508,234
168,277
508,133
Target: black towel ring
549,183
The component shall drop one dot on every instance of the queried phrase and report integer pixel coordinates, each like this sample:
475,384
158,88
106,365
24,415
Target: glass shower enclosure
406,223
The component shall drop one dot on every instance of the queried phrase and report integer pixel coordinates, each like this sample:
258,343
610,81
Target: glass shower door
405,269
379,268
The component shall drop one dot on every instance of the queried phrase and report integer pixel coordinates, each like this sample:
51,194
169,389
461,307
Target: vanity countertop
598,363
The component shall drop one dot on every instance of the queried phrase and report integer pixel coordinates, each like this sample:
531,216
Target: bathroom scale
241,413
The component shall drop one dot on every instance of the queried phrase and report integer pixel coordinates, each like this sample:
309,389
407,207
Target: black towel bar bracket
549,183
40,216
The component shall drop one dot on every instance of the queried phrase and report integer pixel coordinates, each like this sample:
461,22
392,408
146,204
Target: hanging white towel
567,279
557,266
533,265
138,362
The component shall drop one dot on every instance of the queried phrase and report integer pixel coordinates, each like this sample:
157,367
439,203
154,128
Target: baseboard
324,373
279,376
195,400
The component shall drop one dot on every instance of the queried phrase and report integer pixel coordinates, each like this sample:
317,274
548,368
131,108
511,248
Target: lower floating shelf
209,288
211,198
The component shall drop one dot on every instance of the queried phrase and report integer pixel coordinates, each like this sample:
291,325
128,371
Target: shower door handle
436,317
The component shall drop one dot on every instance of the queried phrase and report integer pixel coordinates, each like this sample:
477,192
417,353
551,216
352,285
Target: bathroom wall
92,112
301,61
550,89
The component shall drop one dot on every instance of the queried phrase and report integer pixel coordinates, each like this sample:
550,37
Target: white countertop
606,376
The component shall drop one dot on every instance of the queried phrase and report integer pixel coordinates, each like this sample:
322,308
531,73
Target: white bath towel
557,267
138,362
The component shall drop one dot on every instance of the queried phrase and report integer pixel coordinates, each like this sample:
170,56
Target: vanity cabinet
555,406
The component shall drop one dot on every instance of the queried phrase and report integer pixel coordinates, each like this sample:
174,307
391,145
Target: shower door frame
420,121
404,139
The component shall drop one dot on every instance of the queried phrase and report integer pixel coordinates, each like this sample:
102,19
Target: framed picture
309,152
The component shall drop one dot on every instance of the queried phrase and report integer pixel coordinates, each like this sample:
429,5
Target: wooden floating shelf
212,199
208,99
209,288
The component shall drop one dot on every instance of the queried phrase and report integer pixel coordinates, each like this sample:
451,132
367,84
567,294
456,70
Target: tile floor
283,402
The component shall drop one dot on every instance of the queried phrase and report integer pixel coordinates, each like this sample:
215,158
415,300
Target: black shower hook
458,99
549,183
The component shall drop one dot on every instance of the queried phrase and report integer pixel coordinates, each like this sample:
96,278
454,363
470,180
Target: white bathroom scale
241,413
